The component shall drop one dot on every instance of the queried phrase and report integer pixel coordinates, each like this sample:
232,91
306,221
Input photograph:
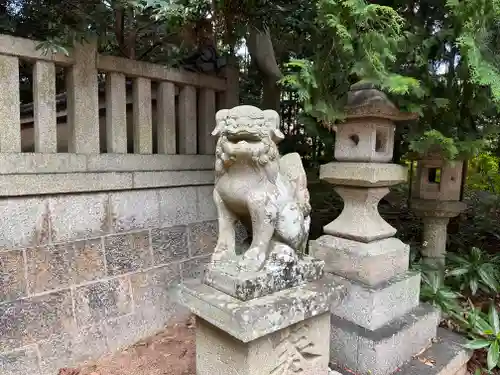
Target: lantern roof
434,152
364,101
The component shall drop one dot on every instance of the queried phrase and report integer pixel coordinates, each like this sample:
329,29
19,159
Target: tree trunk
271,94
261,50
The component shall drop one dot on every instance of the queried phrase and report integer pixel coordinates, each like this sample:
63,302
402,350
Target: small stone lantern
435,197
364,146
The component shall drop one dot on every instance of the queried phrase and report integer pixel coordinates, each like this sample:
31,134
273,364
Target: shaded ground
171,352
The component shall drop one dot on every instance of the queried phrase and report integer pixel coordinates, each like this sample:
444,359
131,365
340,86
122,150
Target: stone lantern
364,145
436,197
381,324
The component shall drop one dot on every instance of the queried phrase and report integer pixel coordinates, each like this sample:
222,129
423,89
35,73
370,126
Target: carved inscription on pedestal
296,351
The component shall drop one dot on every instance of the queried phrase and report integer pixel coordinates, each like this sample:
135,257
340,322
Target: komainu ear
272,120
220,121
277,136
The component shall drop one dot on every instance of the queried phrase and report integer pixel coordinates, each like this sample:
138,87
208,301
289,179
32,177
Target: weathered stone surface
373,308
187,114
78,216
360,219
83,100
202,238
152,292
447,354
28,223
365,140
127,330
89,260
194,268
26,321
49,267
44,107
434,238
206,207
438,179
15,185
136,162
243,319
134,210
67,350
59,266
365,101
10,141
256,185
178,206
435,216
363,174
12,278
169,244
300,348
241,237
97,302
371,263
227,277
435,208
20,362
180,179
127,252
382,351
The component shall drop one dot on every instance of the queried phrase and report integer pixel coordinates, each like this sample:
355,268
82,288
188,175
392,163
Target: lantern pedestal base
360,219
435,217
446,356
435,208
363,174
368,263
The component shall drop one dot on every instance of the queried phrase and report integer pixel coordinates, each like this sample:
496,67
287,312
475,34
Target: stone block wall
86,274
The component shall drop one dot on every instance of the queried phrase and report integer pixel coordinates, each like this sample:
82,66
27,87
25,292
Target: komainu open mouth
243,136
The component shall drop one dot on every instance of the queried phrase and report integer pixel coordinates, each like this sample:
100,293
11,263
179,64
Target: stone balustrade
101,136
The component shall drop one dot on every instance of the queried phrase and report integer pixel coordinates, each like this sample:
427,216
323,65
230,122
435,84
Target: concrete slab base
382,351
446,356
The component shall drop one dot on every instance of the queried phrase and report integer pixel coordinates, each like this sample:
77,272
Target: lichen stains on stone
278,275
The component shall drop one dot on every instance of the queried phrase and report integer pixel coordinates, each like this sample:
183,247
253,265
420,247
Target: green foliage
354,39
122,27
474,270
479,21
485,333
433,291
483,173
439,59
449,147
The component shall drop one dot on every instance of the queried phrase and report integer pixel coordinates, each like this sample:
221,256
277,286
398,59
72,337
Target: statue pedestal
281,331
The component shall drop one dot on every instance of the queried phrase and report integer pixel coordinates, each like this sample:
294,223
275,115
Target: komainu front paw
220,256
253,259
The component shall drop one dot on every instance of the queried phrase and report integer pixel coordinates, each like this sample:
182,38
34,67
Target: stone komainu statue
254,185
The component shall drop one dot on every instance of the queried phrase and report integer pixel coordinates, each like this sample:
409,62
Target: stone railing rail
184,115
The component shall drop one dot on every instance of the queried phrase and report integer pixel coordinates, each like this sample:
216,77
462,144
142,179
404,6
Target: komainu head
247,133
